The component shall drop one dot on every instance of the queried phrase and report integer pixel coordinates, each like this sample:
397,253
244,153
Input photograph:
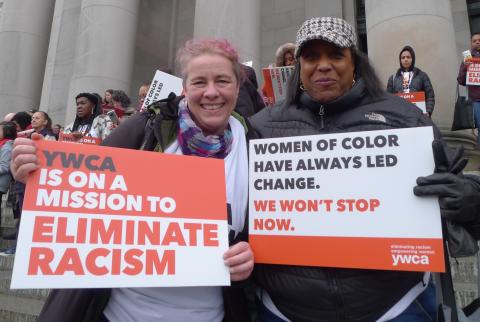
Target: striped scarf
193,142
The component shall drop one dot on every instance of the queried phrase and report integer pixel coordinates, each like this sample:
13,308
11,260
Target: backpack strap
161,127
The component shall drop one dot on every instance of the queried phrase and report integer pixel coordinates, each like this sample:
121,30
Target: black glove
458,196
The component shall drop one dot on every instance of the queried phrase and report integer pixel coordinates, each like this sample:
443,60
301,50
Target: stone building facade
51,50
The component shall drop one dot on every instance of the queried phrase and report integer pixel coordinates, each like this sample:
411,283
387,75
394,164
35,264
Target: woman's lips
325,81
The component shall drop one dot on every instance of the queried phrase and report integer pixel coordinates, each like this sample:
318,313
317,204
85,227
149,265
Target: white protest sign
162,85
345,200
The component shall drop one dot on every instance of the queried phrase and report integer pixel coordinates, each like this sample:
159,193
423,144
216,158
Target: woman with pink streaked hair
201,123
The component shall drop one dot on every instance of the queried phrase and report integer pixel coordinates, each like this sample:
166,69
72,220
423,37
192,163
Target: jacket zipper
321,113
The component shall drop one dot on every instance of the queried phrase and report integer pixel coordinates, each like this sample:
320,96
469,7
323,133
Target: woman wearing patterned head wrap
334,89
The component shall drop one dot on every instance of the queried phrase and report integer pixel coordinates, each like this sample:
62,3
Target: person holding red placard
409,79
203,123
472,57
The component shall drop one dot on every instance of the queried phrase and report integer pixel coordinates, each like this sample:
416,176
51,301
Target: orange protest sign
323,200
417,98
104,217
68,137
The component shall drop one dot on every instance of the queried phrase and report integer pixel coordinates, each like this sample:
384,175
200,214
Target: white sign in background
162,85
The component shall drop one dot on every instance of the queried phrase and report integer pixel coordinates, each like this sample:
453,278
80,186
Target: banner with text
276,82
104,217
417,98
473,74
345,200
69,137
162,85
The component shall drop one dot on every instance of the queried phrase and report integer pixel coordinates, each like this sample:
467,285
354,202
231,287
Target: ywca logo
410,259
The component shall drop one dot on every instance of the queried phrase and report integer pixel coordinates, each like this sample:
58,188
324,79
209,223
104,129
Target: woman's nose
211,90
323,64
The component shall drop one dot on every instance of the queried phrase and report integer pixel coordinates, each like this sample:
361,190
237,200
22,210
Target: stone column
237,21
105,47
24,34
60,58
427,26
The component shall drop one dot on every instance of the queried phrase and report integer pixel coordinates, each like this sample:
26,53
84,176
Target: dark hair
9,130
47,117
122,97
23,119
92,98
363,70
412,53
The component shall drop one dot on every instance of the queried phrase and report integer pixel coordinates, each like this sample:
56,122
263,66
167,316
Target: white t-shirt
191,304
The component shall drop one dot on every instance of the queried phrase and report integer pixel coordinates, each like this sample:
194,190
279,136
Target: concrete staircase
15,305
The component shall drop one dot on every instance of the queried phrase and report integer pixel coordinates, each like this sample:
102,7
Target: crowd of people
333,89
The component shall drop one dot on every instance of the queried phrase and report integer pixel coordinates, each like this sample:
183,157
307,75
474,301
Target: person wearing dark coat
249,100
334,89
409,78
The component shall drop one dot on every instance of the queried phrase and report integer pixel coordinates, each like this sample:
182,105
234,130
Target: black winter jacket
333,294
420,83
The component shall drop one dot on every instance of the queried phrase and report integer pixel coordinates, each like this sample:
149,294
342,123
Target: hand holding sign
24,157
239,258
457,195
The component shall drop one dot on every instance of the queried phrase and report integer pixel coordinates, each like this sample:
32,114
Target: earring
353,82
301,87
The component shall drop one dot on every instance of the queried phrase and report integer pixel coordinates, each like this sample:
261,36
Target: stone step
5,279
6,263
17,309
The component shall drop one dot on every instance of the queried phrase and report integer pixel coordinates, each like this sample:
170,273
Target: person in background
23,121
335,89
203,124
42,124
473,90
142,93
284,56
56,129
120,101
89,121
8,133
107,99
409,78
249,99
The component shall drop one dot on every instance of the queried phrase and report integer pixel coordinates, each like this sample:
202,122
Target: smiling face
211,88
326,70
39,121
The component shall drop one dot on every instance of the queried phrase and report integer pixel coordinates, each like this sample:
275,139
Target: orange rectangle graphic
403,254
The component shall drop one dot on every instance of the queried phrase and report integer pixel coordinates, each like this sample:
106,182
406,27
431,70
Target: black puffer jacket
420,83
334,294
